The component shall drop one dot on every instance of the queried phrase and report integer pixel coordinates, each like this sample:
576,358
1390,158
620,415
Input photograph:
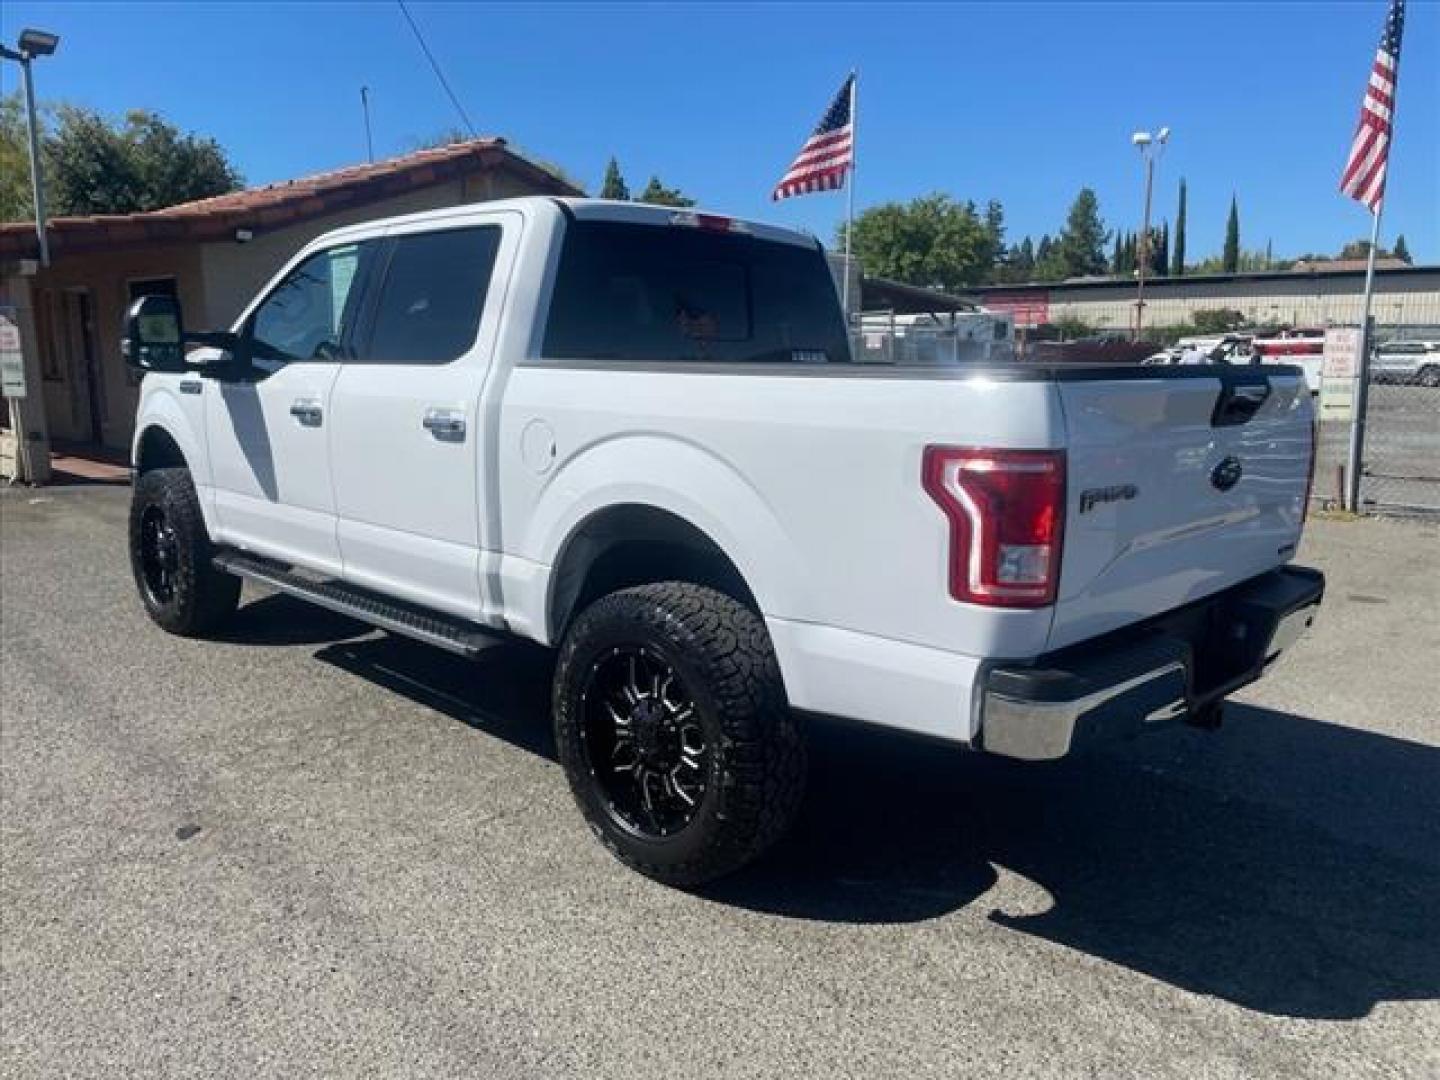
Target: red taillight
1006,510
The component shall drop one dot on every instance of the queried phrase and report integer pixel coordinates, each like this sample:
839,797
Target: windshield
628,291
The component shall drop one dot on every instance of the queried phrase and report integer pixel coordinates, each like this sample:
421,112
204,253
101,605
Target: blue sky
1021,102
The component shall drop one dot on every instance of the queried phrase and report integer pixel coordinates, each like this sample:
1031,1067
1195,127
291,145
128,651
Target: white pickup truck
638,435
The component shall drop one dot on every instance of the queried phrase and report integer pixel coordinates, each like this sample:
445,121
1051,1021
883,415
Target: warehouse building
1406,303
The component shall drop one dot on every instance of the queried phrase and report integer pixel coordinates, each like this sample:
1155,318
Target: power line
435,65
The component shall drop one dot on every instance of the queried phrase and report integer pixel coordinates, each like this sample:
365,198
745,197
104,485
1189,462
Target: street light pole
1143,258
37,182
1148,151
34,43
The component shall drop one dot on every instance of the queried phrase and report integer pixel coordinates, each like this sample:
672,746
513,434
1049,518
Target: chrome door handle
308,412
447,425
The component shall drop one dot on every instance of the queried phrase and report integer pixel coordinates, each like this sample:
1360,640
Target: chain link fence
1401,469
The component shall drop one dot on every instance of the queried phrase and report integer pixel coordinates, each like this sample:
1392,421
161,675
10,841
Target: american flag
1364,176
828,154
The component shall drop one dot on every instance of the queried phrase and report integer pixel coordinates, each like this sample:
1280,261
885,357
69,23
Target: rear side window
428,310
657,292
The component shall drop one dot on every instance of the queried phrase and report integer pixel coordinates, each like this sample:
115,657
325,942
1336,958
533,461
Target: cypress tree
1177,258
1231,260
1115,256
1162,251
1401,251
614,186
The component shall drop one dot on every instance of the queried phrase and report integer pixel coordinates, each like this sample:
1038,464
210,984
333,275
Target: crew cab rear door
408,447
1181,482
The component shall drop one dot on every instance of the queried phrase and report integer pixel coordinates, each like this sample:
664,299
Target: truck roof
589,210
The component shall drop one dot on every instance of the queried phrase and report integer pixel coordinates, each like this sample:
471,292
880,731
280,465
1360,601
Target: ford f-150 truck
639,435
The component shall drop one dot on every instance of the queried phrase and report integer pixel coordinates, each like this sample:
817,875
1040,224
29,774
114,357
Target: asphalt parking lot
314,850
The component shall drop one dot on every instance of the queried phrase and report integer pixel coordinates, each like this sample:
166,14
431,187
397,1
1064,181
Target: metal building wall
1404,300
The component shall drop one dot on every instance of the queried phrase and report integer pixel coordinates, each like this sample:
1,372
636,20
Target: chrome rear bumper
1163,669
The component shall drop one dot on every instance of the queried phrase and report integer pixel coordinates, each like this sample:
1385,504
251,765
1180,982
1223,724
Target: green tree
931,241
15,201
657,193
1117,255
1048,264
1231,256
994,222
94,166
1217,320
1081,245
1402,252
1020,265
1162,252
614,186
1177,256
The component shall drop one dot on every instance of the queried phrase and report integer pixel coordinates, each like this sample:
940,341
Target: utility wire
435,65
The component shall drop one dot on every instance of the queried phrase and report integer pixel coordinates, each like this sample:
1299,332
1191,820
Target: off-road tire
202,596
721,651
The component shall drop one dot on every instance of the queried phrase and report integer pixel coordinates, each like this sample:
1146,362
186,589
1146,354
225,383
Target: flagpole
1361,396
850,201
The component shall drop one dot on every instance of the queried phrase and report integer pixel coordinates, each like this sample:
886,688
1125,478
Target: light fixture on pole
34,43
1150,147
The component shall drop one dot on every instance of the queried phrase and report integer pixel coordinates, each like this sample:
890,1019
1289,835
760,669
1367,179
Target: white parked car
637,435
1413,363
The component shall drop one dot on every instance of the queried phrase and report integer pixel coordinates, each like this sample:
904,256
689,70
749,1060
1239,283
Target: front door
408,449
269,431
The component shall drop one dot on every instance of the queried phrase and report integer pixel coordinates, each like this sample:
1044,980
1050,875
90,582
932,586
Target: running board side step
396,616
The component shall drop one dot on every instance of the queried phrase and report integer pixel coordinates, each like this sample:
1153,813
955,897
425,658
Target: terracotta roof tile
281,203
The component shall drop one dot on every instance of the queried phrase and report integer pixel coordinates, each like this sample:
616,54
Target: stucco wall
104,278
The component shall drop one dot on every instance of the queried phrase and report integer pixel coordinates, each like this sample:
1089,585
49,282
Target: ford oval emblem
1227,474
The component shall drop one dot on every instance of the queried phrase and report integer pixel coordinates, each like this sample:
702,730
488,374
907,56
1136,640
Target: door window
309,313
429,307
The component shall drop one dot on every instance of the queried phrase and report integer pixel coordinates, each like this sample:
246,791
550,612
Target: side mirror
154,335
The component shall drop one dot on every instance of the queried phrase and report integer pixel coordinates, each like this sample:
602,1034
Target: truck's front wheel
674,732
170,553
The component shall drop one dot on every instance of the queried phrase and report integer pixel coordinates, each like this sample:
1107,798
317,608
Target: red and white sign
1342,352
1030,309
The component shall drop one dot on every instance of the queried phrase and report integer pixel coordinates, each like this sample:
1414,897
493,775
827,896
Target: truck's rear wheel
673,730
170,556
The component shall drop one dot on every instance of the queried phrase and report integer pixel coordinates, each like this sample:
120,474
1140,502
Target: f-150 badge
1093,497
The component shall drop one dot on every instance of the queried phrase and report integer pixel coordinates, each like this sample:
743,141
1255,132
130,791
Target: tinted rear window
663,292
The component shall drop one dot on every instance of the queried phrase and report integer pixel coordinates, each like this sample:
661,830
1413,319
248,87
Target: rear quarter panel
810,483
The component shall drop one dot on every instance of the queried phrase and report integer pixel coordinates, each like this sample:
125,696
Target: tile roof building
214,254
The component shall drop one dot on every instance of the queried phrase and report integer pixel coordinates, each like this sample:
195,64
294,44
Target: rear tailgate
1181,483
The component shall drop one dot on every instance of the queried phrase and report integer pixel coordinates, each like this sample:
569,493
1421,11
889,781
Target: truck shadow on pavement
1284,864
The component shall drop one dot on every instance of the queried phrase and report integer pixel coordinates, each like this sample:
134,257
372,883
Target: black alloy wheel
159,555
644,743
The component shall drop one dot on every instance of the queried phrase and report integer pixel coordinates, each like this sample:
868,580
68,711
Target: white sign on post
12,359
1339,371
1342,352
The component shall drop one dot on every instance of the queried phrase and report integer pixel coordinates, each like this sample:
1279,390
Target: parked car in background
1304,348
1412,363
